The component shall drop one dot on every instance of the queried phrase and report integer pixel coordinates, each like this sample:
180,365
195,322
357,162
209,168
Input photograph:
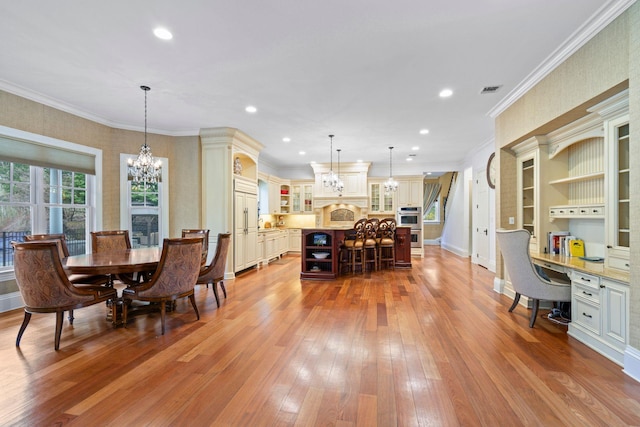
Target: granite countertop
596,268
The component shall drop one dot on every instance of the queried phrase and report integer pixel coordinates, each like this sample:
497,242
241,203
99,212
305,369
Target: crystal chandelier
390,184
331,179
145,168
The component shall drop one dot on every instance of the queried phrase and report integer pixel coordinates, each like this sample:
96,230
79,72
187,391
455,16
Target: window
47,185
37,200
433,214
143,210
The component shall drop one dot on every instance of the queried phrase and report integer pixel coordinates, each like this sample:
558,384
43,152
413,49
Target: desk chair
514,245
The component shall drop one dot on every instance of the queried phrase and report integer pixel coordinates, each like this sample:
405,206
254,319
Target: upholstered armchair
45,287
204,235
174,278
214,273
114,241
100,279
514,245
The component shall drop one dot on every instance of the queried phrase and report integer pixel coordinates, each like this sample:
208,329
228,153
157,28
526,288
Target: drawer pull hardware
587,315
587,294
585,279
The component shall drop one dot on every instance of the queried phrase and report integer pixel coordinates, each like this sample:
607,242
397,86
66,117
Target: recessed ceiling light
409,159
286,139
416,148
424,131
251,109
428,173
359,161
445,93
302,153
163,33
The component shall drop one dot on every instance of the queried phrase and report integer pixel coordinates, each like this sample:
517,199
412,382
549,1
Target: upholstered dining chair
45,288
214,273
204,235
386,239
114,241
514,245
174,278
110,240
100,279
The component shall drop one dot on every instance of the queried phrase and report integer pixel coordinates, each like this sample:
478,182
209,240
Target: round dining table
128,261
138,260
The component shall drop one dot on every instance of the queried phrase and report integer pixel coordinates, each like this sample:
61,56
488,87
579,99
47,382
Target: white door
481,233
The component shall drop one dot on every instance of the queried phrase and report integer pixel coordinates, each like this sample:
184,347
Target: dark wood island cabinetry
321,246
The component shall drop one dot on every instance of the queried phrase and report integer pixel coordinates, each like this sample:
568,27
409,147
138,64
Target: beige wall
607,64
183,154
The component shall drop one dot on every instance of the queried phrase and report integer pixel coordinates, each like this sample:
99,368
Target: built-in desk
599,303
561,262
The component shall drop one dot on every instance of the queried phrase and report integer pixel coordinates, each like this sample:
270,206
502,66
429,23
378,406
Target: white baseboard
431,242
10,301
498,285
458,251
632,362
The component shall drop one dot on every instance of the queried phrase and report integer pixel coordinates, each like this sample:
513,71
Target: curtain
431,193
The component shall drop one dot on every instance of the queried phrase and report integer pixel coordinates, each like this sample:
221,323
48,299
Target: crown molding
603,17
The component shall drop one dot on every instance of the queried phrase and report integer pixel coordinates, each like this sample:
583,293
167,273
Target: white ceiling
368,71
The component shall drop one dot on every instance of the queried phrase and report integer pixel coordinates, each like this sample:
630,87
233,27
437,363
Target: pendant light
339,184
145,168
331,179
391,184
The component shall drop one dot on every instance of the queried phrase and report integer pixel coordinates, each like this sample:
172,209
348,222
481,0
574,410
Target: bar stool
387,242
370,245
350,254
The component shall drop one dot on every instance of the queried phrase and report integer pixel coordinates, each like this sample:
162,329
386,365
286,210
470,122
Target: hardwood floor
434,345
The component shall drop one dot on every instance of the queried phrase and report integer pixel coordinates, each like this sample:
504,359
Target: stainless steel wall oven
411,216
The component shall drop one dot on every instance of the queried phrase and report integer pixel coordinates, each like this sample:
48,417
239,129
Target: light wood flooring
434,345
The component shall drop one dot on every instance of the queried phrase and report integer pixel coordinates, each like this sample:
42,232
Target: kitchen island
321,246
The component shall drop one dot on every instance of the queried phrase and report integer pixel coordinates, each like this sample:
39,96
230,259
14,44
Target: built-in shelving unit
319,254
528,196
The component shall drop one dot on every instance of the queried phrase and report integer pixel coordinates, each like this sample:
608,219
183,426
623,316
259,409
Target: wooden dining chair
174,278
204,235
45,287
214,273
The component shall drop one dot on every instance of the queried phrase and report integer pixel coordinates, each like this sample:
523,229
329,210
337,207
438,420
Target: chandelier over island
332,179
391,184
145,168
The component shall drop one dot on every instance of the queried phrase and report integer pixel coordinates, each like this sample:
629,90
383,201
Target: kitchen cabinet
245,225
410,191
295,240
380,202
403,247
279,197
302,197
